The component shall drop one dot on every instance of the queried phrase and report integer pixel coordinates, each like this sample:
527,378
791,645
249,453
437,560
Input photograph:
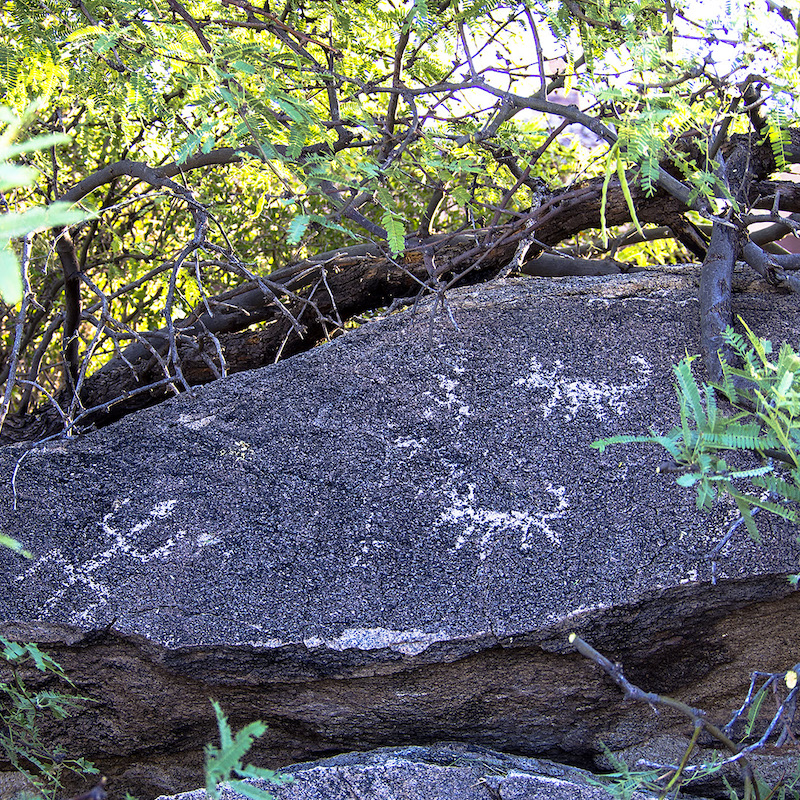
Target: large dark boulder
387,540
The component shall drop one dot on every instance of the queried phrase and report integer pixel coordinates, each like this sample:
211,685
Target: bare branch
697,717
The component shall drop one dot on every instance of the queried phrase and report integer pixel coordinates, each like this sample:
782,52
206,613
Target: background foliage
222,147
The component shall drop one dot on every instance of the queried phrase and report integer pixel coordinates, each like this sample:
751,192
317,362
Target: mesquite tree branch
716,286
697,716
284,294
72,304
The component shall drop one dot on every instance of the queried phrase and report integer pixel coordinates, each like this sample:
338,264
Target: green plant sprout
13,544
765,398
625,782
21,710
226,760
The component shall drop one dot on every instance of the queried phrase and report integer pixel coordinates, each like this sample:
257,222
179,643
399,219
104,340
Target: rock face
387,540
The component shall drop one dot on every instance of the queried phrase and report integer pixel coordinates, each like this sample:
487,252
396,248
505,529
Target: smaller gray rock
522,786
448,771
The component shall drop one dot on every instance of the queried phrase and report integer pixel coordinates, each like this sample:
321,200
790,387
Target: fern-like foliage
764,426
779,138
23,711
224,763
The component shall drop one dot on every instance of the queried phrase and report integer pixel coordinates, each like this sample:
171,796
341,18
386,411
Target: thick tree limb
716,285
738,169
72,304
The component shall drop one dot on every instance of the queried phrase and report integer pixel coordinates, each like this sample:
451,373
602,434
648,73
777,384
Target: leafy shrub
21,711
15,225
753,734
44,767
764,396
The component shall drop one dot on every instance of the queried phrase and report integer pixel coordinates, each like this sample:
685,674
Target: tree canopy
256,178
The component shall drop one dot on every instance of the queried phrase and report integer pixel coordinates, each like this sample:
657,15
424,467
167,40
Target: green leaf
744,510
228,97
12,176
262,773
243,66
225,761
10,285
297,228
38,219
34,143
13,544
669,443
293,110
297,138
783,511
672,446
188,147
751,473
706,494
105,41
690,391
755,707
12,651
395,233
711,408
248,790
778,486
623,438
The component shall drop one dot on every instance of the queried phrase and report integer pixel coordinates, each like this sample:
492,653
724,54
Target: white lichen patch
410,442
567,396
481,525
410,642
449,398
195,423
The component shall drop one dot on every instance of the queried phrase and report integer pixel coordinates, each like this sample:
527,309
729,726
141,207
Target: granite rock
387,540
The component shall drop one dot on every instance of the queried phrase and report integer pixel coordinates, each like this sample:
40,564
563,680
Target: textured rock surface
442,772
386,541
